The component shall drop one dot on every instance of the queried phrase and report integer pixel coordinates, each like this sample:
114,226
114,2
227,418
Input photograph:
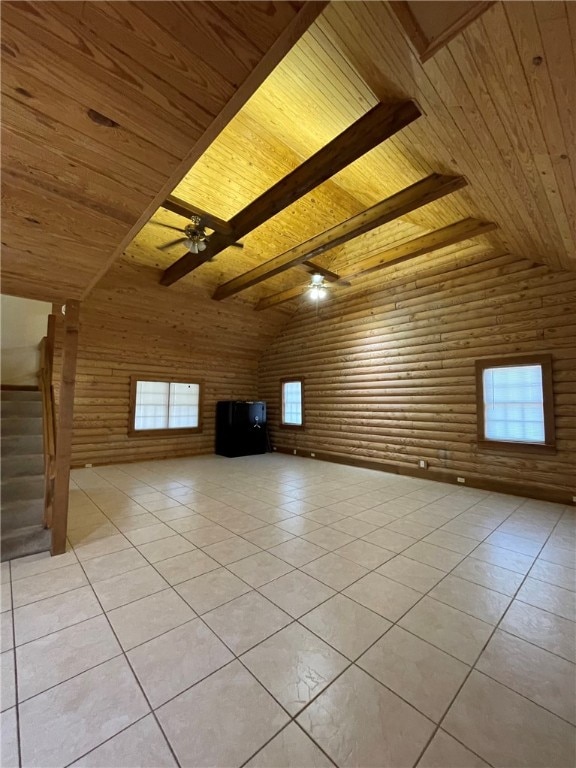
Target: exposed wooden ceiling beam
298,290
377,125
282,297
312,268
417,195
182,208
433,241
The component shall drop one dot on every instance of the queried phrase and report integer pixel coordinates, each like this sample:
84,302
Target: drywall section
24,324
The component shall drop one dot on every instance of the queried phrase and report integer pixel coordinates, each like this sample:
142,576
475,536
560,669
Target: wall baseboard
136,459
542,493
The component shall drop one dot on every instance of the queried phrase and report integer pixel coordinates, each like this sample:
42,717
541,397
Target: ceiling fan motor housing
195,231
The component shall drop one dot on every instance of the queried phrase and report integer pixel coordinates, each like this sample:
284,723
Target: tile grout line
352,663
473,666
239,659
168,585
139,720
14,657
396,623
257,589
290,722
527,641
298,568
135,676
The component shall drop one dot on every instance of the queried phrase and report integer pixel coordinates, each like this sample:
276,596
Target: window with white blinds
292,414
514,404
166,405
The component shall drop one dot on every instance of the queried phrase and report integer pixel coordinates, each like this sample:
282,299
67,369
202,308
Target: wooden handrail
48,418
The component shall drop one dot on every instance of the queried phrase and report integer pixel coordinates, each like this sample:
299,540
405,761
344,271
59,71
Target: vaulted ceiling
497,104
105,106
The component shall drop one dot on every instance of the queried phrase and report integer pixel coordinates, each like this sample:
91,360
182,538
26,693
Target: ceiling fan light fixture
316,289
196,237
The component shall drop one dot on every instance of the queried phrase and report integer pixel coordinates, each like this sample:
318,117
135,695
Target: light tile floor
279,612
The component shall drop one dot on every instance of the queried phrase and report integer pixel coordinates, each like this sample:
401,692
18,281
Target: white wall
24,324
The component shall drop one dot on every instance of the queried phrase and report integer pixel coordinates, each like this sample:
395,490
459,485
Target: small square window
515,402
164,407
292,403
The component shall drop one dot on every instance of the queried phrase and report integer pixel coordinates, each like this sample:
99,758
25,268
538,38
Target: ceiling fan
317,287
195,237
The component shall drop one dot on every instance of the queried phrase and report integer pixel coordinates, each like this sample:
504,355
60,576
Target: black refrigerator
241,428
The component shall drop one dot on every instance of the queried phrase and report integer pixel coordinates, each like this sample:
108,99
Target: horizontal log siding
389,366
132,326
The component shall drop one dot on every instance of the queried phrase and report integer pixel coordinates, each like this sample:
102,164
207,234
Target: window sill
497,446
164,432
291,426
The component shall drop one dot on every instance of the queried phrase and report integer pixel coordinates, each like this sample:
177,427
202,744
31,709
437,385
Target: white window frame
166,430
288,424
545,363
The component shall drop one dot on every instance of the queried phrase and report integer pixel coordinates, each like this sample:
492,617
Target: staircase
22,473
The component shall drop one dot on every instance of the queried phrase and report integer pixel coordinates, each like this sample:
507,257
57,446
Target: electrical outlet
423,464
274,449
312,455
294,451
461,479
88,465
574,499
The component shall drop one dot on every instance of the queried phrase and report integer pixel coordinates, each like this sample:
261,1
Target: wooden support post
48,417
65,425
50,342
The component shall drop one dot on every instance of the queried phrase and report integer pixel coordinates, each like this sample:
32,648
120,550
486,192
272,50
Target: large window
292,395
515,402
164,407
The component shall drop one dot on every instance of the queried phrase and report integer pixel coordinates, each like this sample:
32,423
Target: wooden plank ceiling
498,109
105,106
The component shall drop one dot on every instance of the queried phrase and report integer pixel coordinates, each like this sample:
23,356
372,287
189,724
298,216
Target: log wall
132,326
389,367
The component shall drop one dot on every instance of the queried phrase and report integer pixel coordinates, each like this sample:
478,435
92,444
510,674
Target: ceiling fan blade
168,226
237,245
171,243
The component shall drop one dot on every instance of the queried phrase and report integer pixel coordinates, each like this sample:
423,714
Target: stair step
22,488
25,464
20,394
16,445
21,425
18,514
27,540
21,408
